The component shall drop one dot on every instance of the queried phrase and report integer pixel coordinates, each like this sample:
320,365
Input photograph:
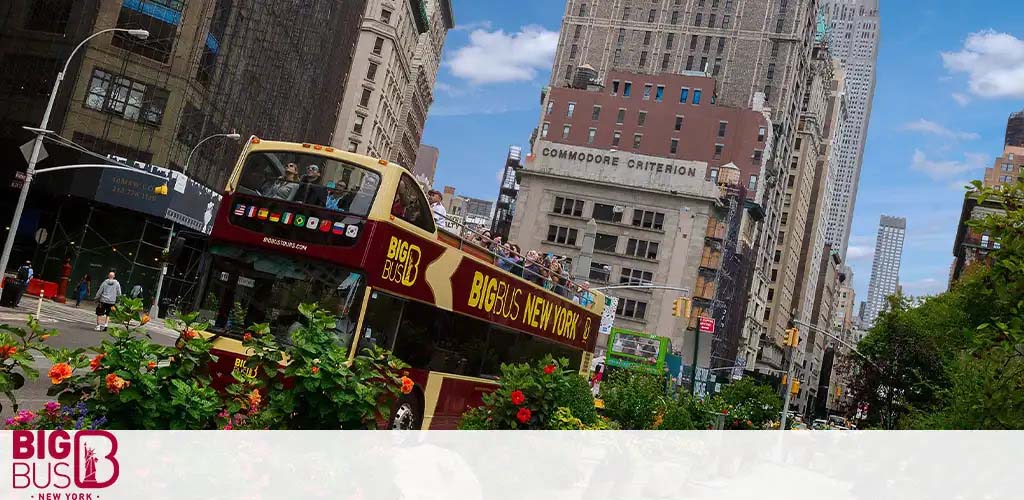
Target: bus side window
411,206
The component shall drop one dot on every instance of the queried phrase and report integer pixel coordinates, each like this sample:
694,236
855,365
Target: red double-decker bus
303,223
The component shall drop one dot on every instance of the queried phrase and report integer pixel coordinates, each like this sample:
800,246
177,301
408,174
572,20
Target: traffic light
796,387
682,307
161,190
687,308
792,337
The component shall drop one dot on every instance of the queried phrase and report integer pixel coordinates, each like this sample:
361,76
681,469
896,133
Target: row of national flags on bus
293,219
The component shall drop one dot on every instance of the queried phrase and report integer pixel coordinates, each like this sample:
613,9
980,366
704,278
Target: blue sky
946,84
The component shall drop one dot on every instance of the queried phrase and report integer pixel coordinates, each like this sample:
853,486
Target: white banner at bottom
352,465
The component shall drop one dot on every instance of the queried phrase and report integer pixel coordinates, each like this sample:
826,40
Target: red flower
407,385
524,414
151,365
7,351
115,384
189,334
95,363
247,337
725,411
548,370
316,369
517,397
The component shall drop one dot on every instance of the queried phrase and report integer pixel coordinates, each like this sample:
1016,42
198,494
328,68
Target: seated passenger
283,187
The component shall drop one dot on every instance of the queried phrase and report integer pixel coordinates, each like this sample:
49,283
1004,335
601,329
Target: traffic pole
789,391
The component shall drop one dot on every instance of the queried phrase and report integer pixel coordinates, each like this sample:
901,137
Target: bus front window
310,180
246,288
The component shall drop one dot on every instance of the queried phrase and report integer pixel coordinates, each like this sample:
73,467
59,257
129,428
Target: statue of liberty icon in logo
90,465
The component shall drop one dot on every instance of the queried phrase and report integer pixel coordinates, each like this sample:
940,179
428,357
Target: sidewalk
54,314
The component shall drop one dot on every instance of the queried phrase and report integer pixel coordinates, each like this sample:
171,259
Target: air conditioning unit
617,209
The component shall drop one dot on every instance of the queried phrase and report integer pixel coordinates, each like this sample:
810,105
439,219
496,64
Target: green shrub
577,397
634,399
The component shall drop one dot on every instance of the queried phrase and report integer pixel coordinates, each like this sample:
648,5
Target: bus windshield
633,345
309,179
245,288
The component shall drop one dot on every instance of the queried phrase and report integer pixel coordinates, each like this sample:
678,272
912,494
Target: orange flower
407,385
116,384
151,365
8,351
95,363
316,369
189,334
144,320
59,373
44,337
255,398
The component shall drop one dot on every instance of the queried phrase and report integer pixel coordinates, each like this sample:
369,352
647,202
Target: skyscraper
854,27
885,271
1015,130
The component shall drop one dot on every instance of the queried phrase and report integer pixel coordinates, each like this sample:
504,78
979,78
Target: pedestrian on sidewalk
82,290
25,274
106,297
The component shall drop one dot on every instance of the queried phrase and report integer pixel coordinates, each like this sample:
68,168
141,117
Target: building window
616,136
353,147
721,128
637,138
357,124
650,16
641,118
647,37
752,183
714,175
775,48
364,100
689,63
673,147
544,130
679,123
757,156
693,42
568,206
767,91
606,242
778,26
565,131
615,87
385,16
591,134
160,43
704,64
648,219
642,248
718,67
647,92
129,99
669,40
711,21
600,272
643,59
684,95
607,213
666,60
621,117
568,71
371,71
718,151
761,134
596,114
797,144
378,46
576,32
571,109
659,93
625,13
721,45
626,88
696,96
573,50
707,45
551,106
635,277
562,235
50,16
1007,167
675,17
622,36
629,308
725,21
699,19
771,71
583,10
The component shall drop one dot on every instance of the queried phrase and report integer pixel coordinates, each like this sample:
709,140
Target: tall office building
390,87
1015,130
885,271
854,27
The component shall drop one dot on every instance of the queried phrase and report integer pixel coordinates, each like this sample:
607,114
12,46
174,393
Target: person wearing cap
24,275
440,214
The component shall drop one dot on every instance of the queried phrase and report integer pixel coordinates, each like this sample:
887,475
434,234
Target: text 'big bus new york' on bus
304,223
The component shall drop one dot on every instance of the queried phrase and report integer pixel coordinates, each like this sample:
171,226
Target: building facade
1015,130
1007,169
426,164
885,269
393,70
854,37
508,191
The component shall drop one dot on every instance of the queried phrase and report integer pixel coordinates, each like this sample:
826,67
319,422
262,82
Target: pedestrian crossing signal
161,190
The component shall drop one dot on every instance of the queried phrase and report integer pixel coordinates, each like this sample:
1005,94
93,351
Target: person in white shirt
440,214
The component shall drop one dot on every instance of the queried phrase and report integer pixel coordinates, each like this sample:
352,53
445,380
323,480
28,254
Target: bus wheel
407,414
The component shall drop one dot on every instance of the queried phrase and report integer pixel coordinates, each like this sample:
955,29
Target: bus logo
402,264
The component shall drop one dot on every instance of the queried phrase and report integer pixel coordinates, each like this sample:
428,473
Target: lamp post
38,144
154,310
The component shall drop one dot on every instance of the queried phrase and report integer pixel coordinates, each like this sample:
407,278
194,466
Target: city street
76,330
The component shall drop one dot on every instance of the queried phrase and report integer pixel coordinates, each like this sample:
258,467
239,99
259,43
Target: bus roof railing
566,287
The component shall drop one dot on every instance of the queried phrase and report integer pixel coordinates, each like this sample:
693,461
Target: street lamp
38,144
155,308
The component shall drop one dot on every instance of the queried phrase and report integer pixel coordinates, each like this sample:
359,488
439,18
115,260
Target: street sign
19,180
608,318
707,325
26,151
41,236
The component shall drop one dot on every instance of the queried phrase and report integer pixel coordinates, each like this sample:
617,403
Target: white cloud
860,252
930,127
475,25
945,169
993,61
960,99
497,57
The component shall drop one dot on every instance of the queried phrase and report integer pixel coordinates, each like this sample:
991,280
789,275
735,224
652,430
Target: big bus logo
402,264
55,459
